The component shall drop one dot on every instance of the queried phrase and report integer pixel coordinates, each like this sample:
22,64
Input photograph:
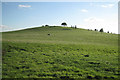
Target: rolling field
59,52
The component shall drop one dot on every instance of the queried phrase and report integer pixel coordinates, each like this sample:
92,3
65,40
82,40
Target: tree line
65,24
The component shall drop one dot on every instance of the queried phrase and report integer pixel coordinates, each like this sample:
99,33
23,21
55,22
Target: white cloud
108,24
24,6
4,28
91,4
103,5
84,10
93,19
107,6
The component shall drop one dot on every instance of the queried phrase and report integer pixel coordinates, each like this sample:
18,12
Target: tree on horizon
64,24
101,30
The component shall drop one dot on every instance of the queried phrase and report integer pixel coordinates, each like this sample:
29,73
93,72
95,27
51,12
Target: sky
87,15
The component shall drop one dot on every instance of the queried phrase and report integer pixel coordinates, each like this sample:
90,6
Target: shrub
96,30
46,25
101,30
64,24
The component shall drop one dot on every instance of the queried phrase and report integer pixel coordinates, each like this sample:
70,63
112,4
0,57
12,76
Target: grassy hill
64,53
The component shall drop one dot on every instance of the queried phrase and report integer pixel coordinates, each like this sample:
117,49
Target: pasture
64,53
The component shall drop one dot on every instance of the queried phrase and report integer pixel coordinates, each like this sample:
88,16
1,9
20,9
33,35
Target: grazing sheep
49,34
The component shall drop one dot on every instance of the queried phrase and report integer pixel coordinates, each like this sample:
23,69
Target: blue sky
88,15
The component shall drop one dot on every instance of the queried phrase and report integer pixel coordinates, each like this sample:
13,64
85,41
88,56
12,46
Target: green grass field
65,53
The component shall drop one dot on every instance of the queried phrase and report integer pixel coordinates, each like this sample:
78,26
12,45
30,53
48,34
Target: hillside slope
60,52
64,35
